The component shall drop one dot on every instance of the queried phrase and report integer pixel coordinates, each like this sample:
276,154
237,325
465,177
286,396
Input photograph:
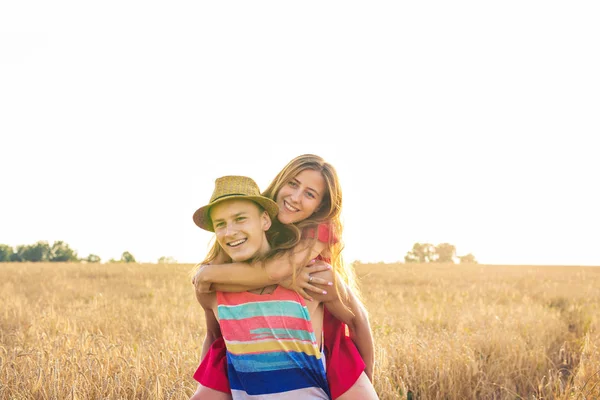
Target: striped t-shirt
272,352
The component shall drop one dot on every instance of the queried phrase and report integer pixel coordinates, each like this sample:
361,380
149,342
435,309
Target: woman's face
299,198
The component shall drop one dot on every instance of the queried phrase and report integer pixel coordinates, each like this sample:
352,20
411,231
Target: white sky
474,123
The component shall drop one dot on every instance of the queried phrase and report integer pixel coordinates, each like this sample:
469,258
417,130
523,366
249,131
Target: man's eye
240,219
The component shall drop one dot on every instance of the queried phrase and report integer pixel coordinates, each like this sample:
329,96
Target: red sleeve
324,233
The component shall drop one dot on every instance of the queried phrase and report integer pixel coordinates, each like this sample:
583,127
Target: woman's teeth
236,243
289,207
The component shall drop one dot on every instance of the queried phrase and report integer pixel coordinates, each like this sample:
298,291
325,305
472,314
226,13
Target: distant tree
467,259
61,252
37,252
92,258
446,253
443,253
421,253
16,255
6,252
167,260
127,257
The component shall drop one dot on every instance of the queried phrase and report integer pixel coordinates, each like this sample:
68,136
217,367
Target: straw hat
233,187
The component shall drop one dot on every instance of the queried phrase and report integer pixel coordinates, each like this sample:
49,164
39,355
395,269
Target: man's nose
230,230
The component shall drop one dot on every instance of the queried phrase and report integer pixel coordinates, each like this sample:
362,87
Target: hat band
231,194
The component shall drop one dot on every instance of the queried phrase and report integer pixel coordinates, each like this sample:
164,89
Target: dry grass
70,331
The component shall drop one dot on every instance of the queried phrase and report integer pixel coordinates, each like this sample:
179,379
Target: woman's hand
305,282
201,287
195,277
221,258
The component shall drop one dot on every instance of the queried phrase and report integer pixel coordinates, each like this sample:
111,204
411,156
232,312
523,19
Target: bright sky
468,122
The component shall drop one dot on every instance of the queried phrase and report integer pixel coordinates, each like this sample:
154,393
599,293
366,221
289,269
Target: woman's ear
266,221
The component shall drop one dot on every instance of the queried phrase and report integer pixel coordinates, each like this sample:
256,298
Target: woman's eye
240,219
292,184
219,225
310,195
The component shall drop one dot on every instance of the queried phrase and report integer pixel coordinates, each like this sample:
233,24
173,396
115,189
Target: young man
272,348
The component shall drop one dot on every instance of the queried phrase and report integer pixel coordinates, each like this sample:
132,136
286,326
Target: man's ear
266,221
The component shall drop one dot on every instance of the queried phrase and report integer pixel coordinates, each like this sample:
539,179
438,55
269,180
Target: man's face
240,227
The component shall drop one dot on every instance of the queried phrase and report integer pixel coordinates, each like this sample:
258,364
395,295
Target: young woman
309,196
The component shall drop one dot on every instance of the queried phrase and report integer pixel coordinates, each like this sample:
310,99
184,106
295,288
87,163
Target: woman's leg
204,393
361,390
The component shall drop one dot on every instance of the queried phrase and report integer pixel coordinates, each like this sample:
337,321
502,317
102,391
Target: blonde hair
328,212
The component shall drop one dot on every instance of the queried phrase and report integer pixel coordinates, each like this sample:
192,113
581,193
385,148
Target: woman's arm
221,258
362,335
354,314
303,283
234,276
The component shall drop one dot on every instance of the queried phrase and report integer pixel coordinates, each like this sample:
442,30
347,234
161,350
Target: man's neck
266,289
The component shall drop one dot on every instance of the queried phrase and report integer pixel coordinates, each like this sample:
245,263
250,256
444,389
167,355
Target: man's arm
208,301
353,313
213,332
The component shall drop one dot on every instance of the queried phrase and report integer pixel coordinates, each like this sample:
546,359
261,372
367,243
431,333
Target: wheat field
131,331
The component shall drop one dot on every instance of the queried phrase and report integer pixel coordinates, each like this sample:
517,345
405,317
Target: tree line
59,251
442,253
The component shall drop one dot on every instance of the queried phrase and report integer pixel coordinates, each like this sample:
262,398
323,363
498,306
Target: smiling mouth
289,207
237,243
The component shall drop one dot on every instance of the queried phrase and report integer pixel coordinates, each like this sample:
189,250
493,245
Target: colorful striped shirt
272,352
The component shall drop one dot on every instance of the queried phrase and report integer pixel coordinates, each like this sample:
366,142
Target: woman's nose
295,196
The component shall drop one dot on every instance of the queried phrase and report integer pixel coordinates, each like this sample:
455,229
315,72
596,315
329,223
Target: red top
324,233
344,363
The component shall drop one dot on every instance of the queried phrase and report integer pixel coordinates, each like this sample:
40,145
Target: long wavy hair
328,212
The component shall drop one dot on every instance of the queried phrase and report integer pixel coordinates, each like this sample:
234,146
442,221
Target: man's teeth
289,207
236,243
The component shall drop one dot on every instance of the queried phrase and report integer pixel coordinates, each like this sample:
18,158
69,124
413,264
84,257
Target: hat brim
202,217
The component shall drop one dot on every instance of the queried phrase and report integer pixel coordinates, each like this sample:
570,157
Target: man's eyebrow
234,216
